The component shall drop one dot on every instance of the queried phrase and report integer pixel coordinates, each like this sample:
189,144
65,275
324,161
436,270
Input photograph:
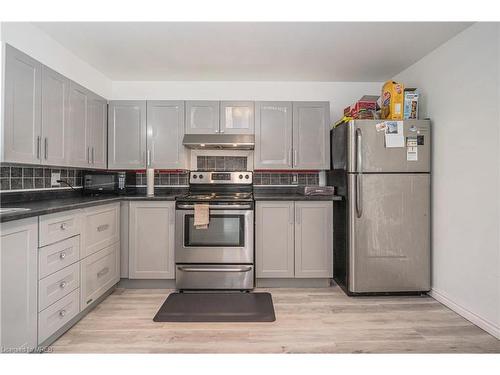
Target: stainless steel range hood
219,141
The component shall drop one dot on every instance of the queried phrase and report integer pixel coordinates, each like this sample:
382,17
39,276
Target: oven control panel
235,177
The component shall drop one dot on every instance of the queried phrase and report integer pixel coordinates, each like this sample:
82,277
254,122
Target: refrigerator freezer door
367,152
389,233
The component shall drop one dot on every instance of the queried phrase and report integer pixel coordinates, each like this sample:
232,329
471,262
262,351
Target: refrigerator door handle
359,196
359,160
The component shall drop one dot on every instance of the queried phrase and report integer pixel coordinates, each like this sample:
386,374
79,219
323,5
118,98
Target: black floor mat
217,307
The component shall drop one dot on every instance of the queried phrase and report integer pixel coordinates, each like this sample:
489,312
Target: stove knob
247,177
195,176
201,176
240,176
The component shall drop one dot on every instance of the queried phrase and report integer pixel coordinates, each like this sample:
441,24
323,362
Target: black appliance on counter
104,182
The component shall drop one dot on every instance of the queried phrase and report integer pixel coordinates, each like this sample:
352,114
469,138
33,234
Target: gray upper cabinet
22,121
314,239
127,134
97,114
202,117
273,135
274,234
311,135
165,130
55,111
237,117
78,133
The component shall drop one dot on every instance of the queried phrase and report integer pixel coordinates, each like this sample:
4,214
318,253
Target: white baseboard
482,323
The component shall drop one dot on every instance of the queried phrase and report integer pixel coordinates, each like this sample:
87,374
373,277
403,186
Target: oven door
228,238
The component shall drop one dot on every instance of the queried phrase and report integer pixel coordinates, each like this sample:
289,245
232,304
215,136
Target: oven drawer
227,276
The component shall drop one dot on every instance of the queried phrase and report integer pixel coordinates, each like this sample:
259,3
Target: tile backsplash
285,178
22,177
163,178
221,163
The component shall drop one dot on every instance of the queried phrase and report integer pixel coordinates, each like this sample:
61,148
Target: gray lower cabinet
55,144
165,130
294,239
18,284
22,121
314,239
274,235
202,117
151,240
311,122
127,134
273,135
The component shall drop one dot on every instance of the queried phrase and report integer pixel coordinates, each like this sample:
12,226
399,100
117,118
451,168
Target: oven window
223,231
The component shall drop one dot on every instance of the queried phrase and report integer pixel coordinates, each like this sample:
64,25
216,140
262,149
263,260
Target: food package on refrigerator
392,101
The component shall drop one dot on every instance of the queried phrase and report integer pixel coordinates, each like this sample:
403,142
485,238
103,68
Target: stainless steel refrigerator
382,225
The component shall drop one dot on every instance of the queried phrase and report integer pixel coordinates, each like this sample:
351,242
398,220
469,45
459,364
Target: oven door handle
209,269
217,207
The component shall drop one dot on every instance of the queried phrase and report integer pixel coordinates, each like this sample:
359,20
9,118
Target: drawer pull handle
62,255
64,226
62,313
103,272
63,284
100,228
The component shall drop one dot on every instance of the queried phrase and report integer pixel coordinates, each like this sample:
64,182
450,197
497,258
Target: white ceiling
198,51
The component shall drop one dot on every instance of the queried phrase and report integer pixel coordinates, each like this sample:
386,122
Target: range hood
219,141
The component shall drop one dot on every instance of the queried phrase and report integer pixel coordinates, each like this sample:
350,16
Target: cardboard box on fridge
411,104
366,103
392,101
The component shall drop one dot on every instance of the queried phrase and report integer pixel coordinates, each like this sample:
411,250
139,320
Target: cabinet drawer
99,272
56,286
102,228
59,226
55,257
57,315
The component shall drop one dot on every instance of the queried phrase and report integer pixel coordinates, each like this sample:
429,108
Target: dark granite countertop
294,197
49,206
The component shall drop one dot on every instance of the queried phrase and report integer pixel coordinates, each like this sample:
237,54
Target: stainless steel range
221,255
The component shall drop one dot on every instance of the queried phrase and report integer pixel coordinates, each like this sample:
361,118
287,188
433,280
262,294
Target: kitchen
260,212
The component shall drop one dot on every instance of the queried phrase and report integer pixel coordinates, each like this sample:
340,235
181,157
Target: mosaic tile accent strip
164,178
221,163
19,176
288,178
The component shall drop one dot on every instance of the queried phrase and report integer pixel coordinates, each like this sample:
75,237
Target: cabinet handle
100,228
46,148
103,272
62,255
63,284
88,155
295,157
92,155
148,157
63,226
290,157
297,215
62,313
290,215
38,142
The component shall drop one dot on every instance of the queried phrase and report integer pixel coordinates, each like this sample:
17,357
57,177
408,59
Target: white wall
34,42
340,94
460,86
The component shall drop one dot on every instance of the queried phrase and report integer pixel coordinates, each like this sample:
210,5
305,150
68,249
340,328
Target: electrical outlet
295,179
54,177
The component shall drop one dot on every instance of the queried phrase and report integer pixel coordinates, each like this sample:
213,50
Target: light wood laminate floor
319,320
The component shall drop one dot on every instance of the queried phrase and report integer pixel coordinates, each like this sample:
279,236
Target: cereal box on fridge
392,101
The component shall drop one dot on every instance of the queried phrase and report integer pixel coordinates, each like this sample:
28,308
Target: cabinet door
98,131
18,284
78,133
314,239
274,228
22,122
202,117
55,111
127,134
311,139
151,241
165,131
273,135
237,117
